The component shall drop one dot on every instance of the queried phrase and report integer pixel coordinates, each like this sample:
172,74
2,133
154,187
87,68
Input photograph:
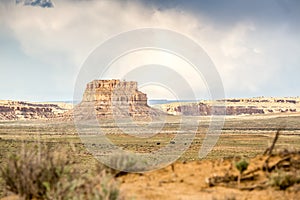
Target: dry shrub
41,173
97,186
123,163
27,173
282,180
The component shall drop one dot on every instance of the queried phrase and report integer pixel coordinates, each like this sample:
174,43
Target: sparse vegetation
282,180
241,165
86,186
43,173
248,137
123,163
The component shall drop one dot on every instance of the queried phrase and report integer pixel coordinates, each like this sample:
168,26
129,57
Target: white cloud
172,64
65,35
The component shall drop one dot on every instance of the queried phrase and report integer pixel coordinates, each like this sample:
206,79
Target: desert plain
245,136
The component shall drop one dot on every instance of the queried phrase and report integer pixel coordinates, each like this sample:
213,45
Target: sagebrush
39,172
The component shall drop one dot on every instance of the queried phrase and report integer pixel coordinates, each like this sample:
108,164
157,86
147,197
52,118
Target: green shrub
242,165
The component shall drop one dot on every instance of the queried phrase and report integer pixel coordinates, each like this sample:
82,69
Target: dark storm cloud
232,11
40,3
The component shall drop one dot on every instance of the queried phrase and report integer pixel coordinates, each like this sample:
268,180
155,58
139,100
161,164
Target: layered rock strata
246,106
113,98
20,110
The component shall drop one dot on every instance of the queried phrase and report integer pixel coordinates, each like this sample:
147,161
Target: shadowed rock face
113,98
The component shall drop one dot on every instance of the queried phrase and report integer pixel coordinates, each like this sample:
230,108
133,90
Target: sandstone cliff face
108,92
19,110
247,106
113,98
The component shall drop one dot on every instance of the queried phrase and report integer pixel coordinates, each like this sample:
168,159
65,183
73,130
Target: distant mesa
122,99
114,98
114,92
20,110
235,106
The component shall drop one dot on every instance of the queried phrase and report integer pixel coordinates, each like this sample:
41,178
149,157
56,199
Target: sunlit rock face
21,110
113,98
243,106
111,92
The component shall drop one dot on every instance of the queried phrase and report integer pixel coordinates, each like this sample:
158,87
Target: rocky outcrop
111,92
246,106
19,110
202,109
113,98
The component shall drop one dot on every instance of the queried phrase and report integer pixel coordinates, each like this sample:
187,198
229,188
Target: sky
254,45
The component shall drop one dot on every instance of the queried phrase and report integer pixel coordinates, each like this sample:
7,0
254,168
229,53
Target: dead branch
287,158
252,171
255,187
270,149
216,180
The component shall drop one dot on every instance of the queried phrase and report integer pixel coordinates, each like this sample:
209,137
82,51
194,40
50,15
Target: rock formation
108,92
19,110
246,106
113,98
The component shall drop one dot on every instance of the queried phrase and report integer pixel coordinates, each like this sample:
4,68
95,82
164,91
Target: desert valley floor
242,136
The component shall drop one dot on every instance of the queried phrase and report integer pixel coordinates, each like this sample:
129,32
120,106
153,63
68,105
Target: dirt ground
190,181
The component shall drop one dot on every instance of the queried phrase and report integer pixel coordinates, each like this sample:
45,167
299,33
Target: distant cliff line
23,110
234,106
